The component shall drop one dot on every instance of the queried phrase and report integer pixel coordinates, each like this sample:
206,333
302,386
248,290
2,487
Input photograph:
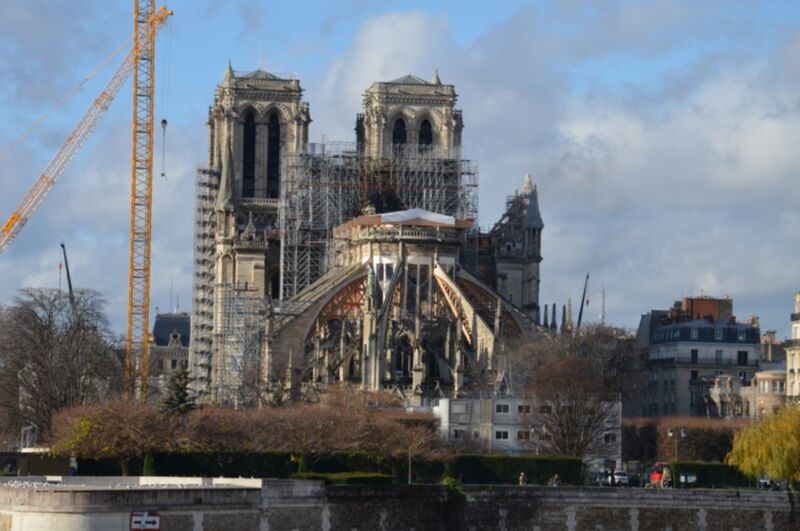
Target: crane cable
165,100
60,103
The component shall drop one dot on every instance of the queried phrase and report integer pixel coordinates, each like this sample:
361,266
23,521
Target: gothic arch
249,149
425,133
274,145
399,131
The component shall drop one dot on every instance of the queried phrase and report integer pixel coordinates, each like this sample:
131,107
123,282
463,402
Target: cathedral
357,262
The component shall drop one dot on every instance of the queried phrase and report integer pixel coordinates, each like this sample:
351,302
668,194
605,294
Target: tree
179,398
121,431
55,355
573,403
771,446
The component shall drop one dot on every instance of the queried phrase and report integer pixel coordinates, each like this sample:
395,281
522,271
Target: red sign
145,520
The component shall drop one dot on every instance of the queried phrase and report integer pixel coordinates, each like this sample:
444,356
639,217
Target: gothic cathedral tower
256,121
409,111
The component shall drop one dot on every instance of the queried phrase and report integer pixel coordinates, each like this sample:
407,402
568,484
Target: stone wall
280,505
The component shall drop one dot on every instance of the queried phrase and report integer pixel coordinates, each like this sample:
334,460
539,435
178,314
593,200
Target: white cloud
661,184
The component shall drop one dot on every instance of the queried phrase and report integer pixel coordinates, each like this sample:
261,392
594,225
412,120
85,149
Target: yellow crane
137,344
139,61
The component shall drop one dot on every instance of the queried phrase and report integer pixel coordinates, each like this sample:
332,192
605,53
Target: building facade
508,425
689,348
792,348
341,261
169,350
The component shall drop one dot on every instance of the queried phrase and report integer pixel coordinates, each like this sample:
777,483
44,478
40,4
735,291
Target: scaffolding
206,184
331,183
240,344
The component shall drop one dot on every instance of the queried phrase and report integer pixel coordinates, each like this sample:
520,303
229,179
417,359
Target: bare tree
55,354
573,403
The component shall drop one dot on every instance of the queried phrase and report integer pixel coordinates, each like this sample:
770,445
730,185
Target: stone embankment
194,504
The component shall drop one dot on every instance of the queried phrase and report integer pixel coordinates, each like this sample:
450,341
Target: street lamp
674,436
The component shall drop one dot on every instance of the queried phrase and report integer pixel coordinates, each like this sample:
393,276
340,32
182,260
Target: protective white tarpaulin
418,214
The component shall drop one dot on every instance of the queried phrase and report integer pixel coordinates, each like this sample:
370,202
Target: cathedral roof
410,79
259,74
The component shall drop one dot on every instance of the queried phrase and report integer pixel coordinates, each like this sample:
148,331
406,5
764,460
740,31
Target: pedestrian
555,481
523,479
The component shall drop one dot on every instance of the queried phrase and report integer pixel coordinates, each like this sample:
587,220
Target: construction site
351,261
357,262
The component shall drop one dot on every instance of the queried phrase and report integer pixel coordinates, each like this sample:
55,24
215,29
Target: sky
662,135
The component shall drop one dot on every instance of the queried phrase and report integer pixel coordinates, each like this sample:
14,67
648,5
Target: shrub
230,464
352,461
149,466
709,475
506,469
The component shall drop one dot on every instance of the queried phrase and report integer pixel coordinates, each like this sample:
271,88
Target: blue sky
662,135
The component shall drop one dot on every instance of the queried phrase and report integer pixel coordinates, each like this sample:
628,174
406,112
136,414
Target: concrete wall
287,505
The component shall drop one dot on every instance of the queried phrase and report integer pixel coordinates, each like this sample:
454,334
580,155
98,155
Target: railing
689,361
384,233
261,201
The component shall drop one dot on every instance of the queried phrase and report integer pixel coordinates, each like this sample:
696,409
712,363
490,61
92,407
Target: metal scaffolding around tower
331,183
206,185
240,343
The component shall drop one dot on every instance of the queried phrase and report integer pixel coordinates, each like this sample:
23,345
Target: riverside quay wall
194,504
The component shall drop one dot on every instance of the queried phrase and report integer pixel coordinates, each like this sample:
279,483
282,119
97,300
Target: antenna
603,307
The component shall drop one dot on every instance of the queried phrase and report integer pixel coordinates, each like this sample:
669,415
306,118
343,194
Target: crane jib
77,137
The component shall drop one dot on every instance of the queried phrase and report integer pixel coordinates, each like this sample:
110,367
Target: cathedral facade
352,262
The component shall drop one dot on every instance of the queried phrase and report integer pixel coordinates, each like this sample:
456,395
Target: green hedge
229,464
709,475
481,468
349,462
347,478
506,469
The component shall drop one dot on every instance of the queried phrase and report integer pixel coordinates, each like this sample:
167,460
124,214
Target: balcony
263,202
685,360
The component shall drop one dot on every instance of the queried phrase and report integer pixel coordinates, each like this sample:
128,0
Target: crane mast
137,344
76,139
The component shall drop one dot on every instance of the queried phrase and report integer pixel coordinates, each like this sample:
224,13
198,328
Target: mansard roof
409,79
167,323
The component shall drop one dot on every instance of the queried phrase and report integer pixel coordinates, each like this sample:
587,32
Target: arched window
249,156
273,157
399,132
425,133
275,285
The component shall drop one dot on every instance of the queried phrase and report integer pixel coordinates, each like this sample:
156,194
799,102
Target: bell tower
409,113
256,121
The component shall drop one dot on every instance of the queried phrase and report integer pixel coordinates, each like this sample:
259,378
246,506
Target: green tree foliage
179,398
770,446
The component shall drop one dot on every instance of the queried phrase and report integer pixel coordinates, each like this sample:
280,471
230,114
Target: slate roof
166,323
259,74
409,79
